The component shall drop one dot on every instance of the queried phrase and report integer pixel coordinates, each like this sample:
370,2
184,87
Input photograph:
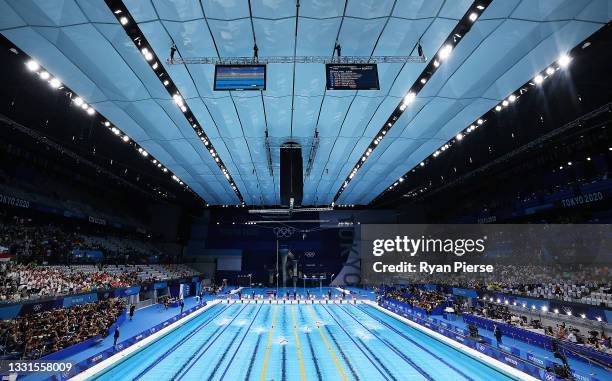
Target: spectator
36,335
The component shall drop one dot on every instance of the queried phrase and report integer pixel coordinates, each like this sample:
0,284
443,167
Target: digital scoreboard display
352,77
240,77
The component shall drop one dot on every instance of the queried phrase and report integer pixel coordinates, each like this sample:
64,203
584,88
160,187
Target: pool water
298,342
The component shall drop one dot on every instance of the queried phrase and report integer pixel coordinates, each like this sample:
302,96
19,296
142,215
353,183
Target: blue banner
70,301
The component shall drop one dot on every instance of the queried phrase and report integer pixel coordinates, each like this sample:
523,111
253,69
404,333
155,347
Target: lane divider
417,344
297,341
191,362
382,373
391,346
265,367
329,348
178,344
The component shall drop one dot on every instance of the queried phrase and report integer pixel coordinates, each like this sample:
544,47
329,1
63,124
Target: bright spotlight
505,103
45,75
538,79
480,122
123,20
125,138
436,63
550,70
459,136
564,60
409,98
498,108
78,101
84,106
445,51
473,16
91,111
512,98
55,83
144,153
422,164
32,65
556,311
115,131
583,316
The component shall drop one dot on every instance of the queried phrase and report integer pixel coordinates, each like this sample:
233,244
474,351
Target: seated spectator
36,335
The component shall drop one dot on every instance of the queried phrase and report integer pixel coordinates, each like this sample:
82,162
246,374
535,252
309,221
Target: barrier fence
517,358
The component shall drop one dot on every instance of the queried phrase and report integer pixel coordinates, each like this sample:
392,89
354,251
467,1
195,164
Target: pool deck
581,367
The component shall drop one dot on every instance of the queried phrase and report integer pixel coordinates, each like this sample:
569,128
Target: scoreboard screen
352,77
240,77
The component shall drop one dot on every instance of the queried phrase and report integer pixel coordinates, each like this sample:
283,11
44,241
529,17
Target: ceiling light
564,60
84,106
480,121
44,75
473,16
55,83
144,153
423,80
498,108
107,123
115,131
125,138
32,65
459,136
78,101
505,103
481,7
512,98
166,82
91,111
409,98
445,51
436,63
123,20
538,79
550,70
422,164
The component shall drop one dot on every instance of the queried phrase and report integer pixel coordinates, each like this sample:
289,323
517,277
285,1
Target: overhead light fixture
32,65
125,138
78,101
445,51
512,98
550,70
91,111
473,16
538,79
505,103
85,106
409,98
123,20
55,83
498,108
479,122
564,60
45,75
459,136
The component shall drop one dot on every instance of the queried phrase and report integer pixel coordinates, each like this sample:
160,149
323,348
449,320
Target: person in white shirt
571,337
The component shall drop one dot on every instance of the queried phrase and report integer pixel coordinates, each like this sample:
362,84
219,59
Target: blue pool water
298,342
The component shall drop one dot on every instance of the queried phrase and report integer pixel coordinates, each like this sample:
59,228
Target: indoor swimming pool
297,342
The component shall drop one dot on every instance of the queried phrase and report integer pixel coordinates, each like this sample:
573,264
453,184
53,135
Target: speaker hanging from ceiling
291,174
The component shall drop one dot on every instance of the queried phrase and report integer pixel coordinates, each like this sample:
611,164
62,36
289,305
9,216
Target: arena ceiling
83,43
